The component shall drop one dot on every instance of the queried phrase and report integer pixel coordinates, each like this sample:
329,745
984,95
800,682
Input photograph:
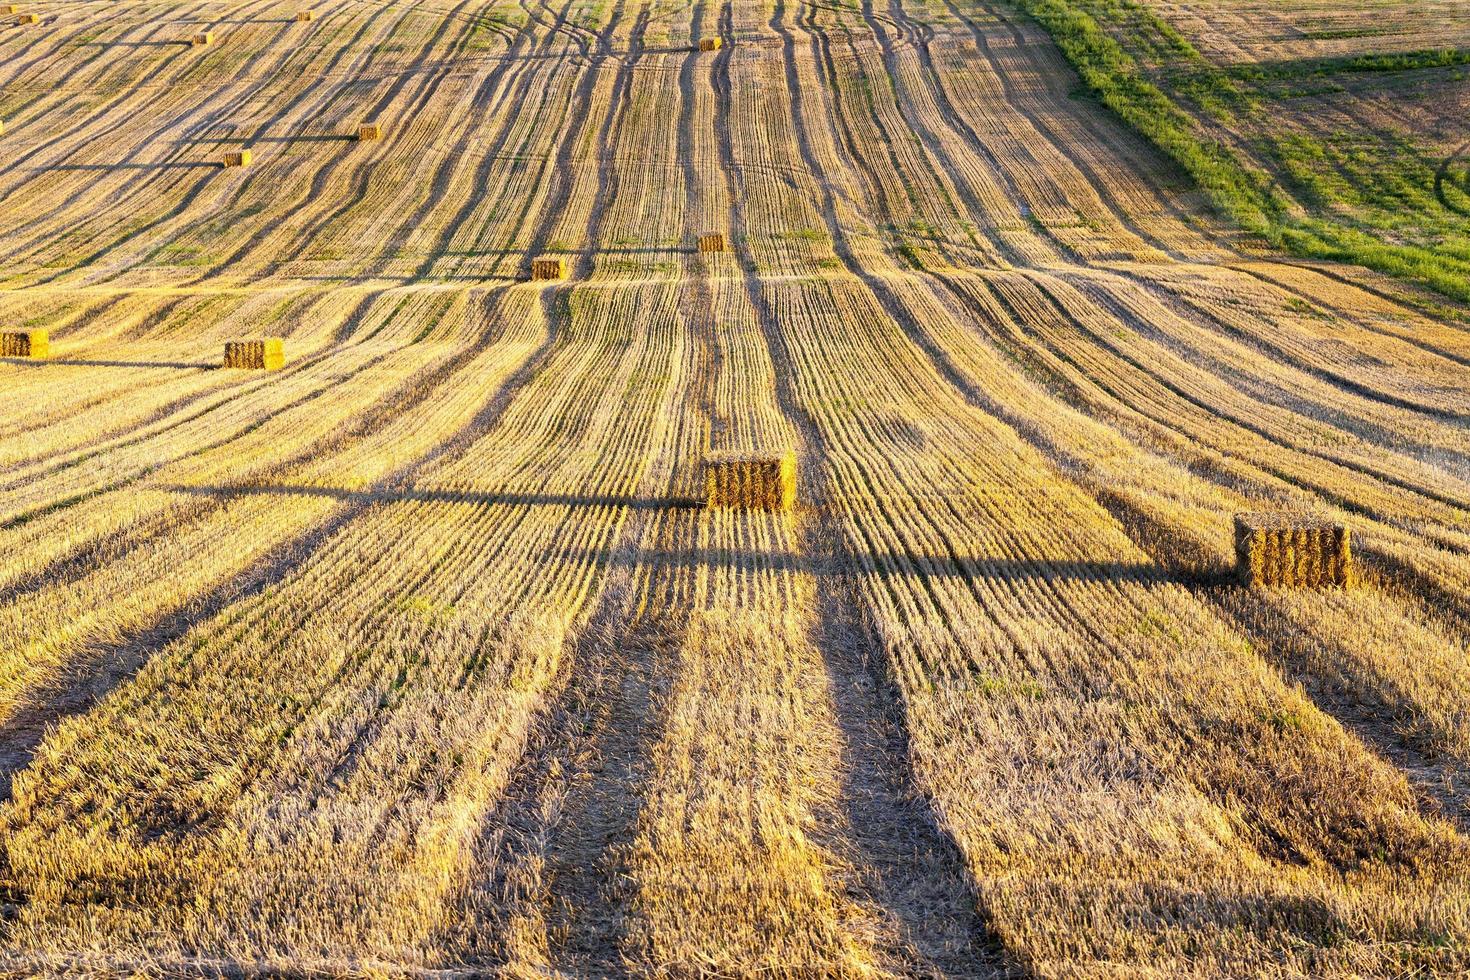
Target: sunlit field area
735,487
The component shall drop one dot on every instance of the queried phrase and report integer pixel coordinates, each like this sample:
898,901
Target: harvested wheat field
1005,554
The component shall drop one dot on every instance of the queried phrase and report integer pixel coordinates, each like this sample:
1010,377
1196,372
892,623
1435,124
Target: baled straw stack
203,39
28,19
1292,550
25,343
713,242
2,127
238,158
548,268
305,15
750,481
369,131
260,355
711,43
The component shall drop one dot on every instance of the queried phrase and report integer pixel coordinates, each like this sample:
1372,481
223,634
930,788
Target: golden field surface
422,656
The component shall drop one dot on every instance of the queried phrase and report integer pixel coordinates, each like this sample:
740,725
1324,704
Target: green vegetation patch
1378,199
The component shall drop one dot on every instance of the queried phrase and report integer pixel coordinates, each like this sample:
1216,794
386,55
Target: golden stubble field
418,655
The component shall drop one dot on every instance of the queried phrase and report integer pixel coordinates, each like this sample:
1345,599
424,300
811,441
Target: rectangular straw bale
2,127
1292,550
369,131
203,39
24,343
750,481
239,158
305,15
714,242
28,19
262,355
711,43
11,8
548,268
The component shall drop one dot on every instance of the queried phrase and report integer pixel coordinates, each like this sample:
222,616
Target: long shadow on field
255,140
183,42
512,499
846,564
105,167
569,256
911,866
561,821
80,362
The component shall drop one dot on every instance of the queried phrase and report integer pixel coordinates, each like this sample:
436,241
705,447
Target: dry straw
238,158
714,242
2,127
369,131
1290,550
24,343
11,8
548,268
28,19
261,355
750,481
305,15
203,39
711,44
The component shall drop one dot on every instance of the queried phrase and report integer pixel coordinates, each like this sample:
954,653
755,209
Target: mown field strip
46,627
421,655
246,635
918,682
